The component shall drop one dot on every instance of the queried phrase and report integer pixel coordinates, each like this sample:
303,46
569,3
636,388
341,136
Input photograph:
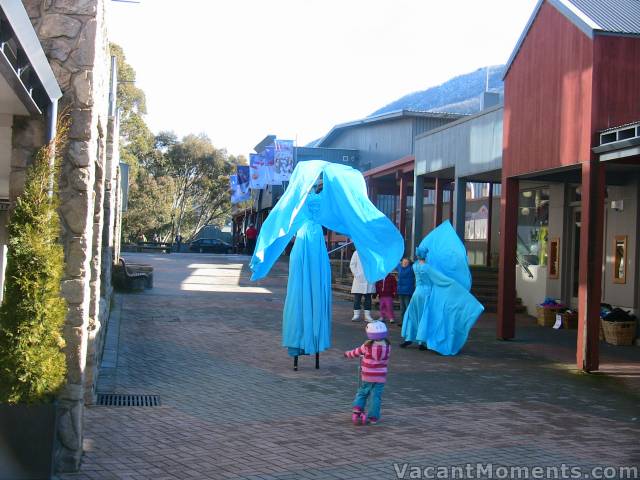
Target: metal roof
405,113
612,17
266,141
616,16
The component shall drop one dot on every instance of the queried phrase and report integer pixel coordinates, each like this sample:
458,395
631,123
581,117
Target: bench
127,278
161,246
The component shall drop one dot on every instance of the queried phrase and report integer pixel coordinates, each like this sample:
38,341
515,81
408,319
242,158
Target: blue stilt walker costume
442,310
341,206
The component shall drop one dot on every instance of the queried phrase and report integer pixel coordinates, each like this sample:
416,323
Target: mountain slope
461,94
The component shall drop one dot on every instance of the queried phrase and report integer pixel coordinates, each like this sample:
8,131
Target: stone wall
73,36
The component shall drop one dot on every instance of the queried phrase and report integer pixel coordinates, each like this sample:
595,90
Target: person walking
373,373
360,288
250,236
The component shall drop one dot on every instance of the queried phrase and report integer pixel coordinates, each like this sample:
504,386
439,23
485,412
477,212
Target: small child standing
386,290
373,373
406,285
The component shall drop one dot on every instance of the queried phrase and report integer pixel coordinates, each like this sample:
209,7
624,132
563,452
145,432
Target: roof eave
26,35
384,117
569,11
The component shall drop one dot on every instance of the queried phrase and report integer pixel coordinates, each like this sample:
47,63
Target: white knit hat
376,330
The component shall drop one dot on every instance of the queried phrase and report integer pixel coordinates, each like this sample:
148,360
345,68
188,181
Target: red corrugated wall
547,114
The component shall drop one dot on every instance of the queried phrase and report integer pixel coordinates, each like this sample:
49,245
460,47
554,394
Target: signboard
258,172
283,161
476,223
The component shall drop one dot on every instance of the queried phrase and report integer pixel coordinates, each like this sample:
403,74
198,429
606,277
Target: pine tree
32,363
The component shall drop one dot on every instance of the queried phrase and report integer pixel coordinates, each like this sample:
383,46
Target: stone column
97,307
110,204
72,33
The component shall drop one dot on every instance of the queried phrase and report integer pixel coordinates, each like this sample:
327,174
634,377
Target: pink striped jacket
374,363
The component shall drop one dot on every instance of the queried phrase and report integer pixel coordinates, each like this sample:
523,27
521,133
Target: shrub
32,364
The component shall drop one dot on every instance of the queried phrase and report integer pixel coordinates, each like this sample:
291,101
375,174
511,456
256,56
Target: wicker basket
619,333
569,320
547,315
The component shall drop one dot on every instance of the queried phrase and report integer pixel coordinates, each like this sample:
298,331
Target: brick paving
206,340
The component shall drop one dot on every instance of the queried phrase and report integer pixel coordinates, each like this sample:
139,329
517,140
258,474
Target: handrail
340,247
524,264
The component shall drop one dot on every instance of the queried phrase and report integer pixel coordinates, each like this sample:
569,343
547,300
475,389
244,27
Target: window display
533,225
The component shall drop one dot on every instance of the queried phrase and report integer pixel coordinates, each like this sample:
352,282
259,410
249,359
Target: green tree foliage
136,139
32,364
201,173
150,202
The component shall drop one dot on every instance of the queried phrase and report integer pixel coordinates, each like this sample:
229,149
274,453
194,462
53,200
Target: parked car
210,245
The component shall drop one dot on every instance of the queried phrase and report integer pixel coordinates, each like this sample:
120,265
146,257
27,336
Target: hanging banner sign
269,160
244,178
283,160
243,183
233,187
258,172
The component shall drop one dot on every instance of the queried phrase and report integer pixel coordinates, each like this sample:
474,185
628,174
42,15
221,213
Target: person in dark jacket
406,284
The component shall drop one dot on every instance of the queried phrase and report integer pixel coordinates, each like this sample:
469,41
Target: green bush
32,364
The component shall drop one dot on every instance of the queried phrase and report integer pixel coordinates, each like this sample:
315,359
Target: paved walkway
206,340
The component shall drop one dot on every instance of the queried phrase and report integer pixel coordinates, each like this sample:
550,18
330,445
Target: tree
149,211
201,173
136,139
175,185
32,364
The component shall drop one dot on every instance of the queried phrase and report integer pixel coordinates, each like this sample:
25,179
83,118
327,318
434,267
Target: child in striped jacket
373,372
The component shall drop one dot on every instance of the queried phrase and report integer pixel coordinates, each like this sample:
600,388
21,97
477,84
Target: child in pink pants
386,290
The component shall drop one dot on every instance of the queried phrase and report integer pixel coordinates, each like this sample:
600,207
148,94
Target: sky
239,70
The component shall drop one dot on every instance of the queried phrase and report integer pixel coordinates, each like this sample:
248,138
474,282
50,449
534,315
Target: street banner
233,187
283,161
259,173
269,159
243,191
244,178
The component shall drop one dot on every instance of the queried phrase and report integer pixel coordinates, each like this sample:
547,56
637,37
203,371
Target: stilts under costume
342,206
442,310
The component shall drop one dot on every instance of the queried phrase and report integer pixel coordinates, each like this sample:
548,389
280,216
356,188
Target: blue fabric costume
341,206
442,310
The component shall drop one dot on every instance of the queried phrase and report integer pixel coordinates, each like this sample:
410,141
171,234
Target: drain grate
126,400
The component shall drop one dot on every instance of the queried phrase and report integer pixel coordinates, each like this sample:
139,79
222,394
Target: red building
571,113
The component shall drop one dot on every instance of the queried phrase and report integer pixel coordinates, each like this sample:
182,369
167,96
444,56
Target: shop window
533,225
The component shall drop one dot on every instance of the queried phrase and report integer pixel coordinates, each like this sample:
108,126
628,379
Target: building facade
467,154
571,85
70,73
386,151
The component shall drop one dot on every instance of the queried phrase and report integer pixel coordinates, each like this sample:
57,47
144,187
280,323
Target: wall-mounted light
617,205
527,194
